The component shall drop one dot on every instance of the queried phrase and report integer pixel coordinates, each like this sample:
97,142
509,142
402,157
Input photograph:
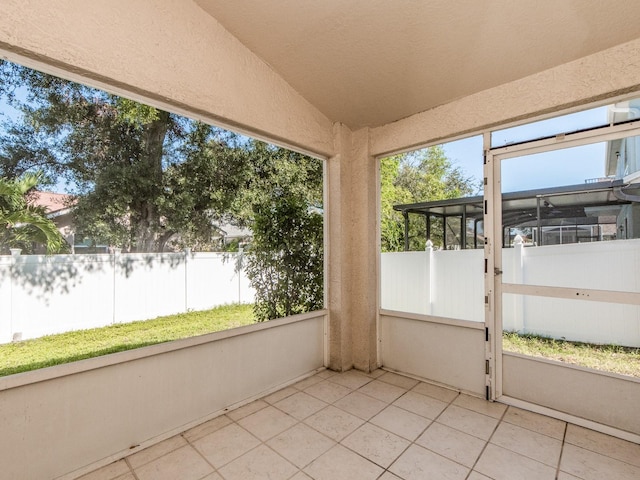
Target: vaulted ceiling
371,62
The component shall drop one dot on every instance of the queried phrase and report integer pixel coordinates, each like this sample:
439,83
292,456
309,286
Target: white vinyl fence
451,284
42,295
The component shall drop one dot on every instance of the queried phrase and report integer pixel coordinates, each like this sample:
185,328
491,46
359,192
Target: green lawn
610,358
68,347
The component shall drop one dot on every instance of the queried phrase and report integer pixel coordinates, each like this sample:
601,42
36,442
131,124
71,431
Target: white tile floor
383,426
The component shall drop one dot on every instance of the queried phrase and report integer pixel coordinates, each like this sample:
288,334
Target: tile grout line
524,455
215,470
593,449
411,443
564,437
127,461
500,420
384,470
535,431
131,469
298,422
366,421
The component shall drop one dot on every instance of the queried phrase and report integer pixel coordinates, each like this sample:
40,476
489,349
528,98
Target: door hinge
486,334
486,367
488,392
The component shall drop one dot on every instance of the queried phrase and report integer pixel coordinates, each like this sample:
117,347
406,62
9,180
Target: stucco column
351,252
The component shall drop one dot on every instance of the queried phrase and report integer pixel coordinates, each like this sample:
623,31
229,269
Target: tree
131,165
419,176
145,179
21,224
285,259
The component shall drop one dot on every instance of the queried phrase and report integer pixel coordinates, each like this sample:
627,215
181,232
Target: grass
71,346
609,358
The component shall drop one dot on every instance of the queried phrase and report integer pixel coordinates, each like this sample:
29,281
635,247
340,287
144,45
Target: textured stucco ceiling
371,62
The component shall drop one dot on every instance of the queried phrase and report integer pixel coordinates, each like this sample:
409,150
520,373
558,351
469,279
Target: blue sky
568,167
562,167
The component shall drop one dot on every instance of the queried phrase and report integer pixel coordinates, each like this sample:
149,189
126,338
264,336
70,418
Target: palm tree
22,224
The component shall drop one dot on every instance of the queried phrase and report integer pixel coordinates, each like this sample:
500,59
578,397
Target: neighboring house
59,208
222,237
230,233
623,163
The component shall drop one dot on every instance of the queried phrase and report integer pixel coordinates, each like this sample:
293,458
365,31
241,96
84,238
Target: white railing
42,295
451,284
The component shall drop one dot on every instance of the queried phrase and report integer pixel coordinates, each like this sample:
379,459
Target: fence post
14,324
115,252
187,254
240,258
518,277
430,268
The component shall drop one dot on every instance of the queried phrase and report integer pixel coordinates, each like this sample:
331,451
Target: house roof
372,62
55,203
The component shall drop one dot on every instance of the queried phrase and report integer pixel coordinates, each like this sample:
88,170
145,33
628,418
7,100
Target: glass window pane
573,195
573,122
571,166
619,112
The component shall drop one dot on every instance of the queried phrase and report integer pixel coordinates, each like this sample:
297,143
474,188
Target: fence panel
405,282
149,285
5,299
54,294
452,281
213,279
42,295
458,284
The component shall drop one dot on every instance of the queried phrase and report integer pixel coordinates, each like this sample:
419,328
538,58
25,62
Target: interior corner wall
363,252
170,54
606,74
352,251
336,251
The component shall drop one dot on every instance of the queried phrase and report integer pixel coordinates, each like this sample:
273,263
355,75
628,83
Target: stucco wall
104,408
612,72
170,52
174,55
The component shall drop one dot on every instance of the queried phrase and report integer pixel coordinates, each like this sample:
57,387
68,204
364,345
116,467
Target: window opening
421,234
152,214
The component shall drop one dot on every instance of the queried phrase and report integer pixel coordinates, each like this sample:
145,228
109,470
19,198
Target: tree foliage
419,176
142,176
22,224
146,180
285,259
